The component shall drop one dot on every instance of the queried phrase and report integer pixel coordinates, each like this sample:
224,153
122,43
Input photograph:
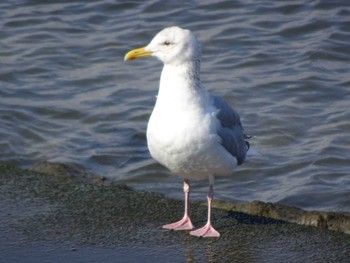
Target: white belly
188,145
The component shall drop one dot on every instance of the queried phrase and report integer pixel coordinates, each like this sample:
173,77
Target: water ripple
67,96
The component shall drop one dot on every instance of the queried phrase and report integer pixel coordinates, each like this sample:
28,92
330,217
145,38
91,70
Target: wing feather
231,130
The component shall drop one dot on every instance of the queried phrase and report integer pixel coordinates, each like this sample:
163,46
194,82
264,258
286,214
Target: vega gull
193,133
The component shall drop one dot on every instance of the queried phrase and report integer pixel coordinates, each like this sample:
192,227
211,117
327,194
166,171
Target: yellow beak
137,53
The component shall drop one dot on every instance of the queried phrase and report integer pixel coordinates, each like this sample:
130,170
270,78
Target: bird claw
206,231
184,224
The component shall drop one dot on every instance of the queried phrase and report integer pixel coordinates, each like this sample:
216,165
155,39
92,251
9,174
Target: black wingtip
247,137
248,145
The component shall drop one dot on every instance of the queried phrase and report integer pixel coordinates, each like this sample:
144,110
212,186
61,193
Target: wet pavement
67,218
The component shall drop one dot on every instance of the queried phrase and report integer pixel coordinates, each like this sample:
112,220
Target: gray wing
231,130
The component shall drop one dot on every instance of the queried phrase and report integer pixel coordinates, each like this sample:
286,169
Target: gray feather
231,130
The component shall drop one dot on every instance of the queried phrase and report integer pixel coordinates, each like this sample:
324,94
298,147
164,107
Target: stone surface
63,218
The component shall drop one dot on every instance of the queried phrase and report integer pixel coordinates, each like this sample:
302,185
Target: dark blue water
67,96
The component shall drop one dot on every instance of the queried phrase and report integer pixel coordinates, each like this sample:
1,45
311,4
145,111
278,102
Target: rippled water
67,96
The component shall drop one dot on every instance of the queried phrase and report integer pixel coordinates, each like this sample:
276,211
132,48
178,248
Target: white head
172,45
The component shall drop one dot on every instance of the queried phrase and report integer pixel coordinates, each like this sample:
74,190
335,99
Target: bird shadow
246,219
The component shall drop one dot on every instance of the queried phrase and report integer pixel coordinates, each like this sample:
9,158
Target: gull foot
206,231
184,224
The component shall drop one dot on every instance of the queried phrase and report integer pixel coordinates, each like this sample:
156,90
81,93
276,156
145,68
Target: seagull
193,133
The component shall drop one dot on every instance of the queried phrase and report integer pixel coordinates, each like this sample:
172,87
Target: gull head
172,45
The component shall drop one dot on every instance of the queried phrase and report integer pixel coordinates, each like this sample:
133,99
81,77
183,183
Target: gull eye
166,43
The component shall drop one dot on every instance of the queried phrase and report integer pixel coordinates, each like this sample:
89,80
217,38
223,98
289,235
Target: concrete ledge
64,218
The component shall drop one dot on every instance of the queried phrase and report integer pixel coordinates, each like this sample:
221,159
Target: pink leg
207,230
185,223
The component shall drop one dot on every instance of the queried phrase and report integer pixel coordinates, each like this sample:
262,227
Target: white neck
180,82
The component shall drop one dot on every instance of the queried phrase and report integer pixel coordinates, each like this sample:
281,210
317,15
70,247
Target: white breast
182,136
